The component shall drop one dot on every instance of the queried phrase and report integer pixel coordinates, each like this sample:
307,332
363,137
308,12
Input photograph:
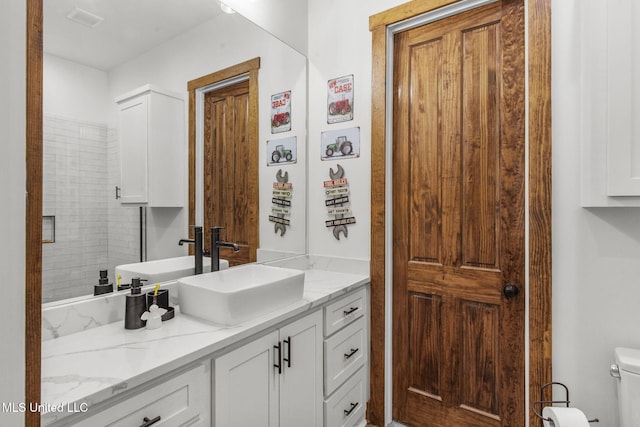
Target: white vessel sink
163,270
239,294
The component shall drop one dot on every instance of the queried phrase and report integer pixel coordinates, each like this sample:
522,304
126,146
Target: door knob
510,290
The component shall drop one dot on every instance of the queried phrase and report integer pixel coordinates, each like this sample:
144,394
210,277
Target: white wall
339,45
596,252
279,17
75,91
12,214
220,43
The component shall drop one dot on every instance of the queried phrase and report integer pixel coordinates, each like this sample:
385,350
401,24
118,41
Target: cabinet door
301,379
246,385
183,400
133,142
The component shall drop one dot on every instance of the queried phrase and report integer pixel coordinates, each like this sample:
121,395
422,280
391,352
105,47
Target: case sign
281,112
340,99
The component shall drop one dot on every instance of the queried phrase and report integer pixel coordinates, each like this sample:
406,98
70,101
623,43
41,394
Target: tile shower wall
80,164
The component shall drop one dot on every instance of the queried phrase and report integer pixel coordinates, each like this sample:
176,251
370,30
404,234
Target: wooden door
458,220
229,181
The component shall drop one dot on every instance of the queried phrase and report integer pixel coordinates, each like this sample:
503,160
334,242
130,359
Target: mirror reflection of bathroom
96,52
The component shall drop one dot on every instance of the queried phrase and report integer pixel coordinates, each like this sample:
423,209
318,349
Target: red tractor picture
339,107
280,119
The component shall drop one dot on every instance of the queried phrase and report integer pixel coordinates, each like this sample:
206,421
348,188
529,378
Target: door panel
227,181
458,190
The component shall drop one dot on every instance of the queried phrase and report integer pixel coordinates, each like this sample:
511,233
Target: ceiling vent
85,18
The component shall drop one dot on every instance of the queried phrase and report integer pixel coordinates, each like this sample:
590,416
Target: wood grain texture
540,160
227,178
375,406
479,185
33,232
245,106
377,24
405,11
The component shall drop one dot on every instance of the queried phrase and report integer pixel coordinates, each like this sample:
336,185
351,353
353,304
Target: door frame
537,202
197,88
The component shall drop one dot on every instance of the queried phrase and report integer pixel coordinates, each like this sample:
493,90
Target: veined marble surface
94,365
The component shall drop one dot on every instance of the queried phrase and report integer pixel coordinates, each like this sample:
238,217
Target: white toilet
627,372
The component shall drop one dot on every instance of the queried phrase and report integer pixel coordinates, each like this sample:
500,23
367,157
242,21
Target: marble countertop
89,367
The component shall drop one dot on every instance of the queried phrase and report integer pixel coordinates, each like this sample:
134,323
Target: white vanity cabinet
183,400
153,147
275,380
346,354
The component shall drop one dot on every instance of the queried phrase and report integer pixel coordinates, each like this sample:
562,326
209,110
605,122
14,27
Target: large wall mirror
98,50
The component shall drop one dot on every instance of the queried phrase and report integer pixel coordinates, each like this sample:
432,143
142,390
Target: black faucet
216,244
197,242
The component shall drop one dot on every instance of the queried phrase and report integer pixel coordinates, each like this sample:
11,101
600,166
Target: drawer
180,401
347,405
344,311
344,353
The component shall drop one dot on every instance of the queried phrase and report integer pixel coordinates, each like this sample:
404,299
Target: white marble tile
96,364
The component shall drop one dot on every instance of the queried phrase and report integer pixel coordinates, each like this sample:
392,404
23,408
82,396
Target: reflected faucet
197,242
216,244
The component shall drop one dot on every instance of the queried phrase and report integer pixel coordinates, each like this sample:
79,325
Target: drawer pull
353,351
348,412
279,359
148,422
351,310
288,358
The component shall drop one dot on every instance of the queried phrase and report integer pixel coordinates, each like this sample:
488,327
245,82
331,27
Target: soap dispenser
136,305
103,286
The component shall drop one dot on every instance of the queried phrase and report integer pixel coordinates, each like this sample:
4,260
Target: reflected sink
163,270
240,293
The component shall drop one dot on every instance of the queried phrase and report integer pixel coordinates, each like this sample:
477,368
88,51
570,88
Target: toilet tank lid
628,359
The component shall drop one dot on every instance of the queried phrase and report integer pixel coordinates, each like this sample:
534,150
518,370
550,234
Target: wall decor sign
281,203
281,112
340,99
340,144
337,191
282,151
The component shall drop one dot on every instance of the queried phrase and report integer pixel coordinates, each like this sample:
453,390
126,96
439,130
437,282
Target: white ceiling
130,27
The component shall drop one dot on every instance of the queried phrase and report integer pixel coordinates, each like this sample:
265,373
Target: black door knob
510,290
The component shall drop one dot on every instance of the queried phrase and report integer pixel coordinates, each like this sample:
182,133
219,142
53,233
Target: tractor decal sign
282,151
340,99
281,112
340,144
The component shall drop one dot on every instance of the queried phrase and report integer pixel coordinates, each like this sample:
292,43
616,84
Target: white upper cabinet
610,103
153,147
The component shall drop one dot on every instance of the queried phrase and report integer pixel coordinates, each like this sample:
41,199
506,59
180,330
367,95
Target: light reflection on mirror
85,69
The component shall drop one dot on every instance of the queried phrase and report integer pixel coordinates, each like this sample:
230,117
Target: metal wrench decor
337,191
281,202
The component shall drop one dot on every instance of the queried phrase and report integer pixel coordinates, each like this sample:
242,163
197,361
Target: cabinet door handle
353,351
353,407
351,310
148,422
288,358
278,363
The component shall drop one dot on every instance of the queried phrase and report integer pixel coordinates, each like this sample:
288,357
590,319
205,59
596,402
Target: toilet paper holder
542,403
